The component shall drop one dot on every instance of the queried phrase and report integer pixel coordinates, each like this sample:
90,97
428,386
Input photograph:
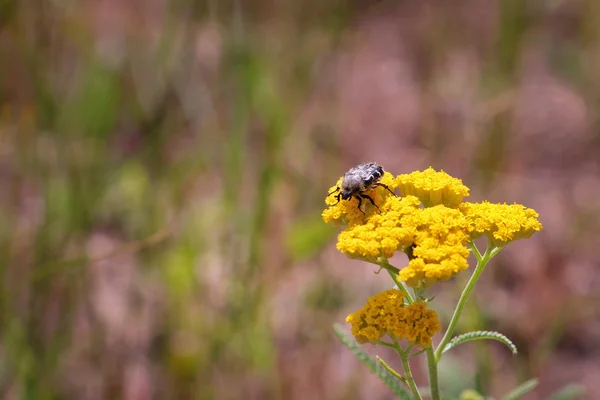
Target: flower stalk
393,273
482,261
408,372
393,371
433,374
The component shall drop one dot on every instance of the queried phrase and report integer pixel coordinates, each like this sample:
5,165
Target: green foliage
480,335
306,237
569,392
93,106
375,367
521,390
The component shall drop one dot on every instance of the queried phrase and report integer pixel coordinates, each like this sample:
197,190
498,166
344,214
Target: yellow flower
433,188
346,212
502,223
435,237
439,234
382,233
470,394
440,250
386,314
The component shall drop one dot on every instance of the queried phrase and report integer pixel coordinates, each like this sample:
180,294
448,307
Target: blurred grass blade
521,390
569,392
307,237
373,365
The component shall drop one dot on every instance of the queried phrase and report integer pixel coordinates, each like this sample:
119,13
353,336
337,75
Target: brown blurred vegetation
163,166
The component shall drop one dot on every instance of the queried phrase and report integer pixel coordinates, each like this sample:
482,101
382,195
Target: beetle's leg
333,191
359,203
338,197
385,186
364,196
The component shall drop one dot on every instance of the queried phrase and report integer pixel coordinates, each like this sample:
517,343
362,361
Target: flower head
386,314
384,233
502,223
433,187
440,250
429,223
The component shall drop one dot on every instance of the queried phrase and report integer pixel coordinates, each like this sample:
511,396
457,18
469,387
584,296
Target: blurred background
163,166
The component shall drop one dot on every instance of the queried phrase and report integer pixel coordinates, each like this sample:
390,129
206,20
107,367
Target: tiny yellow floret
502,223
432,187
386,314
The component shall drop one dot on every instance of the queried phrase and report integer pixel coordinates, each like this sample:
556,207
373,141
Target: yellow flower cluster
386,314
432,187
502,223
429,223
382,234
440,250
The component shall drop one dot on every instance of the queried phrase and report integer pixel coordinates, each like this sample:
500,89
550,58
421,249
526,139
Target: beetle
357,181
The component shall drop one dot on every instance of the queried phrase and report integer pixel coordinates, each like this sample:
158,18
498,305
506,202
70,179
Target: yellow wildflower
434,237
502,223
440,251
386,314
346,212
433,187
382,233
470,394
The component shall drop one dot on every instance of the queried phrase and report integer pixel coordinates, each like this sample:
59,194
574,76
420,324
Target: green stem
410,381
433,374
384,263
409,377
392,371
482,260
393,272
386,344
475,251
416,353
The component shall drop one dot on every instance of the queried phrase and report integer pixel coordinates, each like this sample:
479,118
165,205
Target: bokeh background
163,166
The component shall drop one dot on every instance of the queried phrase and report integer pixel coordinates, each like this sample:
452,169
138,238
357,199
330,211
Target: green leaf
521,390
375,367
391,370
569,392
480,335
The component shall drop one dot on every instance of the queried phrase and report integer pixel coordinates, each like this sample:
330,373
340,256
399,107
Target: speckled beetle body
358,180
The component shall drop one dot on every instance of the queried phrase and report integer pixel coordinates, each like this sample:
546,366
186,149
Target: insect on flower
357,181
